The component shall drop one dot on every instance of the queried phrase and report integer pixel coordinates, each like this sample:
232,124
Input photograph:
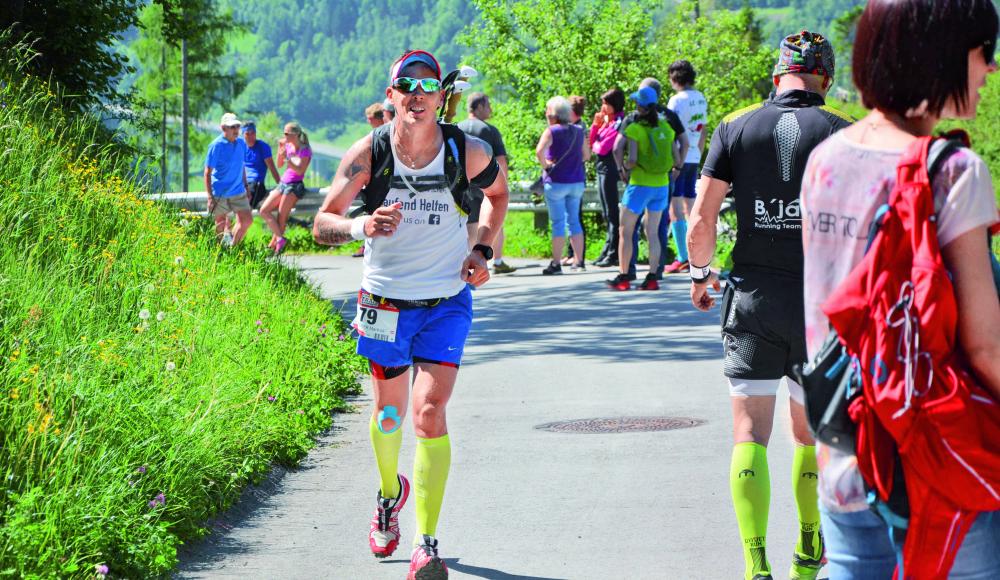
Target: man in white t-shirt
692,108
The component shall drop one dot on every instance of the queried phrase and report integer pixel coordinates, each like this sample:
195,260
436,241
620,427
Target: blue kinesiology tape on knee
392,414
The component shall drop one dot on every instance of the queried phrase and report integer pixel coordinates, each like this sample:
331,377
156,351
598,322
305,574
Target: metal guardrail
520,200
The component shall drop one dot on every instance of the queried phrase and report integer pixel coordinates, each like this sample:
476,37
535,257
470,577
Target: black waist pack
830,382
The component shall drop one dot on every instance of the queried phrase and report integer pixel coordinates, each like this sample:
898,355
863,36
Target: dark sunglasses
409,84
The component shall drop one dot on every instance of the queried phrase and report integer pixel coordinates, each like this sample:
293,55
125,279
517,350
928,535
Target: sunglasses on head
409,84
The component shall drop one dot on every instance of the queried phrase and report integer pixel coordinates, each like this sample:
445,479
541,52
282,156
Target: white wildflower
144,314
160,316
171,366
179,260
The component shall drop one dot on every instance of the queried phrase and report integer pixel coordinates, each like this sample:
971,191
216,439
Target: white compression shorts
764,388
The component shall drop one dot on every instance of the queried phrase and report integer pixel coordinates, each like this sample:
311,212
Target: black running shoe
552,269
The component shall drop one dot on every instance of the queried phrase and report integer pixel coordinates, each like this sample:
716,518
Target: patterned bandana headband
805,53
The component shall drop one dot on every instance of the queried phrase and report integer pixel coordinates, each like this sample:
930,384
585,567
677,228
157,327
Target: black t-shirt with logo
762,151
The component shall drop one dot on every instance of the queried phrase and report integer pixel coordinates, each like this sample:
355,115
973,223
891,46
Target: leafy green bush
146,375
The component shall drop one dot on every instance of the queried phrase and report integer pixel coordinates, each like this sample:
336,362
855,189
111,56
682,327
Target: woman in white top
915,62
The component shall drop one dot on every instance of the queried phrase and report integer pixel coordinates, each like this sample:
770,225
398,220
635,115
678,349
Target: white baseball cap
230,120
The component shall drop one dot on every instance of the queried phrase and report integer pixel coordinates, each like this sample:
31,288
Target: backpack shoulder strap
454,165
382,166
937,151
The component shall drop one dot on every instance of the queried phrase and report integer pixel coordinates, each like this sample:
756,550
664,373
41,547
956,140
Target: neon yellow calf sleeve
430,474
805,480
750,482
387,456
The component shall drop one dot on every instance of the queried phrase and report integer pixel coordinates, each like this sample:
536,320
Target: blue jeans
858,547
563,201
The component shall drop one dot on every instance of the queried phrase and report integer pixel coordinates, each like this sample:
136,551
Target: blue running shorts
437,333
639,198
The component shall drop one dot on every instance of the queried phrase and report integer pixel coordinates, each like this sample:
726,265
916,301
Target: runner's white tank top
423,259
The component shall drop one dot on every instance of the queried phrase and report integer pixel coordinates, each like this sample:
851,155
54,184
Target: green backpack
659,158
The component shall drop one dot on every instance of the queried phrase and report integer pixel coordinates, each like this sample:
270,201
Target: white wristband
700,275
358,227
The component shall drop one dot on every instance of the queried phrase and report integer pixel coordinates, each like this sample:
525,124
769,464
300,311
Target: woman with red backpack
915,63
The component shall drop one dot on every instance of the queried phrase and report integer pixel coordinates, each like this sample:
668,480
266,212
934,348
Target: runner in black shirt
761,151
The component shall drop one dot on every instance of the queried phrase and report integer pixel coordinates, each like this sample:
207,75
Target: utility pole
184,113
163,121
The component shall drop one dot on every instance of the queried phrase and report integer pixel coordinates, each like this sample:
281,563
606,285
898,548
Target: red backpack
921,409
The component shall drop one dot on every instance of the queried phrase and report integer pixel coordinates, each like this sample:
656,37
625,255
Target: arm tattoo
356,169
333,233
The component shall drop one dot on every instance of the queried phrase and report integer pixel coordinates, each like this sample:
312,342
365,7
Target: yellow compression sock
430,474
750,482
387,456
805,480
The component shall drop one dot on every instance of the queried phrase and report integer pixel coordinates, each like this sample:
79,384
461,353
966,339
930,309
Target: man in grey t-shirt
480,110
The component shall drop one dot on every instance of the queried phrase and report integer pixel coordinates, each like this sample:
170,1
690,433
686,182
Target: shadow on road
489,573
512,321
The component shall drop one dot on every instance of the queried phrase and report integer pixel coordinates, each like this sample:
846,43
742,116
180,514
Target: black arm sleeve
717,163
487,176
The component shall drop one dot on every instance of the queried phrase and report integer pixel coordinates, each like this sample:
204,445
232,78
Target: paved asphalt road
524,503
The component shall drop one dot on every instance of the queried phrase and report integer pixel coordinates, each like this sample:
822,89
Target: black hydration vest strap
383,167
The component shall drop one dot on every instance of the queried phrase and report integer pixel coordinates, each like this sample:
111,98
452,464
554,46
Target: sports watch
700,275
485,250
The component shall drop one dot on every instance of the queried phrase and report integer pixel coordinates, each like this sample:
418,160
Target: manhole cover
621,424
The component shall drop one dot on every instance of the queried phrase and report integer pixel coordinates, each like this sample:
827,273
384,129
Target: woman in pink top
603,133
915,62
294,150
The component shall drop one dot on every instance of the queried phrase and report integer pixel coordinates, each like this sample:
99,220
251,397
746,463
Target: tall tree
157,50
532,50
728,52
72,40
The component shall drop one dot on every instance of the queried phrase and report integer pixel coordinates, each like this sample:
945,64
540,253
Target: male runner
414,307
480,110
761,151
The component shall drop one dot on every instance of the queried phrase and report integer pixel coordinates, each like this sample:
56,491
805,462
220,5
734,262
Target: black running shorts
763,326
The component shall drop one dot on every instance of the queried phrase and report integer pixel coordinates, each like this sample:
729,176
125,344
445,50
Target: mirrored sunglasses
409,84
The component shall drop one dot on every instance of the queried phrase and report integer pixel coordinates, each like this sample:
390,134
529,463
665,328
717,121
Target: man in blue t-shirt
226,181
258,162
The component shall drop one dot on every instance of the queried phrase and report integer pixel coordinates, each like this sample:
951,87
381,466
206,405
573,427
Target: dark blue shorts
437,333
684,185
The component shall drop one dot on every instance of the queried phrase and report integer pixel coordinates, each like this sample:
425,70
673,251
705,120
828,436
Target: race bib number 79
375,320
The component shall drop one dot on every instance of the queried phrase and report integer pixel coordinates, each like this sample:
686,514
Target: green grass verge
146,375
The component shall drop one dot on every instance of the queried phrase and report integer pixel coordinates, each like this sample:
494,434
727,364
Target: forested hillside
323,61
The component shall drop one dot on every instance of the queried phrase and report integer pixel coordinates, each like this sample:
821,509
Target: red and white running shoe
425,564
383,537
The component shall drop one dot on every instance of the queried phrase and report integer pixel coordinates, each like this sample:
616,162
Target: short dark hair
578,104
908,51
616,98
682,73
476,100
